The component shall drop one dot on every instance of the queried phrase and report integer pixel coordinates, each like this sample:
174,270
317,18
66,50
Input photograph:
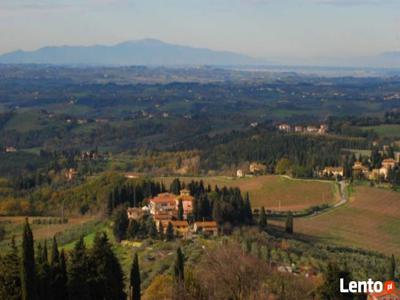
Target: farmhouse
388,163
333,171
70,174
298,129
312,129
257,168
11,149
181,228
360,171
323,129
284,127
187,201
136,213
239,173
163,203
206,227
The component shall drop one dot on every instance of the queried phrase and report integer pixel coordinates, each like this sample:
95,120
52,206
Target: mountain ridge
136,52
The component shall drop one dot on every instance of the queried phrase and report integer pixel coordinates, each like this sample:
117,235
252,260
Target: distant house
206,227
377,174
257,168
298,129
323,129
10,149
187,201
163,203
389,163
284,127
181,228
360,171
312,129
333,171
70,174
136,213
397,157
239,173
131,175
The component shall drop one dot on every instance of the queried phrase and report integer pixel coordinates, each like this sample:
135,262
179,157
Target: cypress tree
161,231
248,213
63,282
43,275
10,282
289,223
180,210
262,220
169,234
179,273
57,280
175,186
151,228
392,268
121,223
195,209
108,279
134,287
179,266
28,276
78,277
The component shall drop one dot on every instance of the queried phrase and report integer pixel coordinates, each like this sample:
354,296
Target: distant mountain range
141,52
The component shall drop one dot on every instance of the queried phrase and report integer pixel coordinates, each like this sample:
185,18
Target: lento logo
368,286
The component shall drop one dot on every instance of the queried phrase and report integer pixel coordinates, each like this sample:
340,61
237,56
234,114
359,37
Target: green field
371,220
24,122
275,192
390,131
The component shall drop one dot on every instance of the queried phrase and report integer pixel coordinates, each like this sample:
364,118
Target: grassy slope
269,190
371,220
14,226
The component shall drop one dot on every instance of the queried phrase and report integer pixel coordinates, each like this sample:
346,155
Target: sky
287,29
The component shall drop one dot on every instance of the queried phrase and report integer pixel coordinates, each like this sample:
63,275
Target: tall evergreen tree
169,234
289,223
248,212
10,282
43,275
262,219
179,274
58,288
179,266
28,274
392,268
161,231
180,210
63,281
175,186
151,228
78,269
134,282
108,278
121,223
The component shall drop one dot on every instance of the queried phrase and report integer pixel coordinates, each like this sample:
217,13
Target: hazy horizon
288,30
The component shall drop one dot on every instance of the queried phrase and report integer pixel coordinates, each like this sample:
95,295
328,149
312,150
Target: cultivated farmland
371,220
275,192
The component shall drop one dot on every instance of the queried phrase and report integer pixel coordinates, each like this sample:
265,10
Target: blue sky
290,29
